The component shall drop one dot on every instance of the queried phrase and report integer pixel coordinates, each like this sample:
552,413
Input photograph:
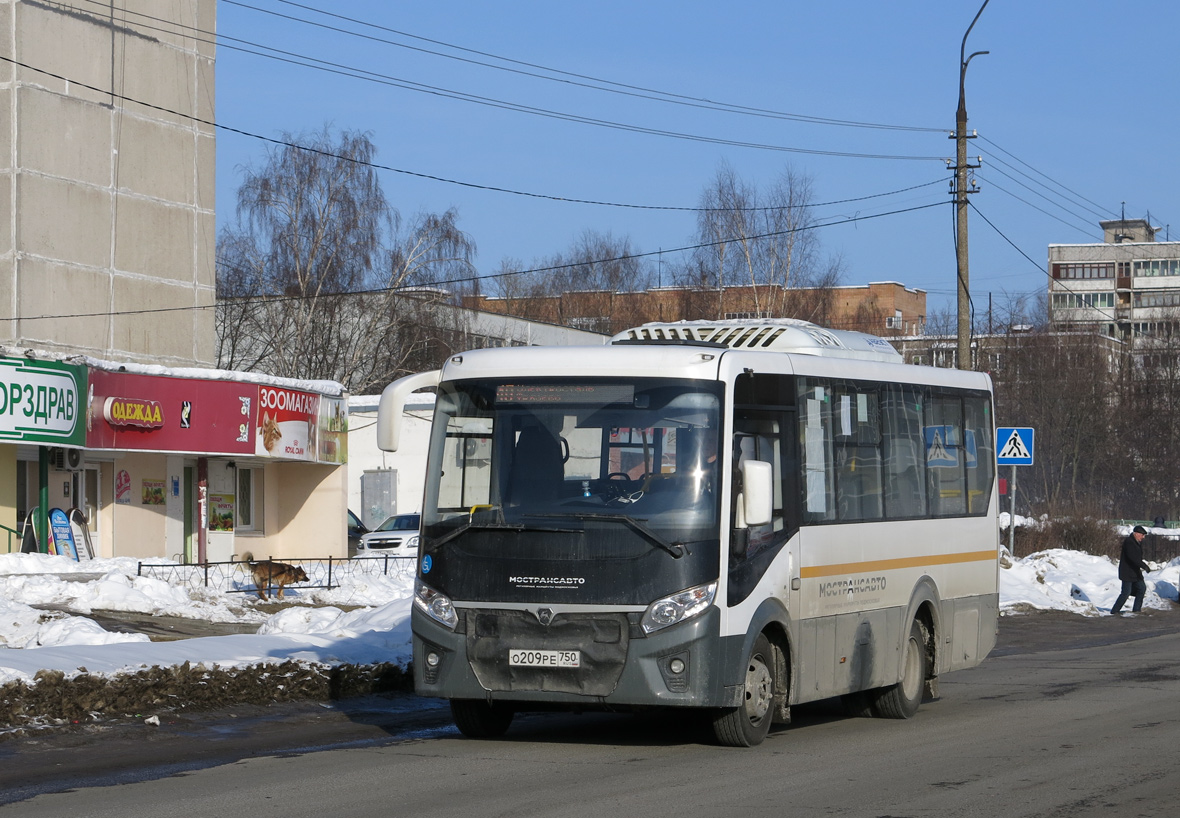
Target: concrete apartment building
106,198
1127,287
109,413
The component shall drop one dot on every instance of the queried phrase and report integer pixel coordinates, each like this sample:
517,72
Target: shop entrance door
88,499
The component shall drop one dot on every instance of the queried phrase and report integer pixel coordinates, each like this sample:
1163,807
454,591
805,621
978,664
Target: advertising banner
221,512
288,423
123,488
62,534
333,431
125,410
42,402
153,492
152,412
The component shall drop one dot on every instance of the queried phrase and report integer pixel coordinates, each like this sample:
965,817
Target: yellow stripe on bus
903,562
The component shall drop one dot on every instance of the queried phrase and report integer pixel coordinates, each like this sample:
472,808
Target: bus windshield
637,455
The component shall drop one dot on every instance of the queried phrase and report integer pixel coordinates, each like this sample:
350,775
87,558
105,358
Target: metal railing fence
235,576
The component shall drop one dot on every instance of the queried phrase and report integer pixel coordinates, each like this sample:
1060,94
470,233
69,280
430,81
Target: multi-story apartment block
1127,287
107,178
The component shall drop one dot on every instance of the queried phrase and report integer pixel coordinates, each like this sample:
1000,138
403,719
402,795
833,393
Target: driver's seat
537,471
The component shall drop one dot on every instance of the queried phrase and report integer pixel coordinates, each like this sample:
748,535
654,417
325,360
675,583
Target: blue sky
1073,105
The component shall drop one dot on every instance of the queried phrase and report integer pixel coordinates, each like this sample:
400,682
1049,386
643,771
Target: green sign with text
42,402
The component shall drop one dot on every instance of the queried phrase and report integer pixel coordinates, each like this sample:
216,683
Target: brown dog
270,573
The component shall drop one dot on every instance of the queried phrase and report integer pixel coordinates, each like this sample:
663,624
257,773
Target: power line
409,85
1033,206
580,80
295,146
1071,200
1046,176
1030,260
469,279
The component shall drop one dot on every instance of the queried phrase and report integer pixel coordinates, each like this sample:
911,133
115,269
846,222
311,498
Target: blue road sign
1014,446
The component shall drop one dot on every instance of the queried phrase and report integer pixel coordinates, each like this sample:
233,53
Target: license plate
545,658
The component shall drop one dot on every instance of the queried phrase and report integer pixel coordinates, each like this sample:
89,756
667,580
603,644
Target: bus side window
946,481
904,453
857,426
981,456
816,451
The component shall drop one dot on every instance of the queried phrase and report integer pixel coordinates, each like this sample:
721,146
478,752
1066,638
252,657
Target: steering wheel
617,484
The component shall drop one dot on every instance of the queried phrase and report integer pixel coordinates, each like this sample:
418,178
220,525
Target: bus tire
900,701
747,724
479,719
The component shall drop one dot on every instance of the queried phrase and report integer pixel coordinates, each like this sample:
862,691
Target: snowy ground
316,631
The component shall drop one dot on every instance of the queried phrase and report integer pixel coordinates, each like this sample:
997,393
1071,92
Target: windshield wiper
676,549
499,525
469,526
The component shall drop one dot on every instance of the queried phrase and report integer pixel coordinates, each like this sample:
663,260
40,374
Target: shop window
249,500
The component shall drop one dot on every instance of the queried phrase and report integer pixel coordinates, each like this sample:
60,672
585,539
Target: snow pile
1070,581
33,639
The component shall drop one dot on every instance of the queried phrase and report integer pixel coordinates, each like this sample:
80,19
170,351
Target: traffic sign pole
1014,447
1012,518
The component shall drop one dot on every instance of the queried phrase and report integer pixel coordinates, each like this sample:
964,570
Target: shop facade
190,465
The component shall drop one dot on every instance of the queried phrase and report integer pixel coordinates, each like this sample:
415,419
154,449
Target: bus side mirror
757,492
393,403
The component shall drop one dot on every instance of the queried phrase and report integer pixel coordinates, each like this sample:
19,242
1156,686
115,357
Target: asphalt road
1069,716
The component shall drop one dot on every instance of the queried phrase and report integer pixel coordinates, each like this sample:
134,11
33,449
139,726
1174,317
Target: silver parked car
397,536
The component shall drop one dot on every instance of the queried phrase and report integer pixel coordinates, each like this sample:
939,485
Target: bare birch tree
761,240
319,276
575,286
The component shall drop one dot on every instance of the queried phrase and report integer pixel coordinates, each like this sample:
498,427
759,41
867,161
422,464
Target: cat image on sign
270,432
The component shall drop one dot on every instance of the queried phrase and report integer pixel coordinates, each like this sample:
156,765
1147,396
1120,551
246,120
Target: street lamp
961,191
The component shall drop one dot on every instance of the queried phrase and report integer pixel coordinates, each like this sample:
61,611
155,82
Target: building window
249,500
1154,329
1083,271
590,324
1158,299
1077,301
945,358
1157,267
747,316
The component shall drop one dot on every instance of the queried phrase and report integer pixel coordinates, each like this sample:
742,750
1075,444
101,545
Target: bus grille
602,640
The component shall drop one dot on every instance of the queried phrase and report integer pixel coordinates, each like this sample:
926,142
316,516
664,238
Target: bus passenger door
766,553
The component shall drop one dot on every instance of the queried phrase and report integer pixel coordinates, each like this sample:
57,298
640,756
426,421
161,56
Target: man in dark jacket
1131,568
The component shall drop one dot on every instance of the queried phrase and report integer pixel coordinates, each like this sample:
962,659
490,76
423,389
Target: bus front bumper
618,666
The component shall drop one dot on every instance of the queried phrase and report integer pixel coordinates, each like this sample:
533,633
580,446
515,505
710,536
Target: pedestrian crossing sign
1014,446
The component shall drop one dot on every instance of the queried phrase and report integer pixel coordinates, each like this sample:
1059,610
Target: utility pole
960,191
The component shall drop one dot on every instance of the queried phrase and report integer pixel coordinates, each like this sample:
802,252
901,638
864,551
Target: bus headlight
435,605
678,607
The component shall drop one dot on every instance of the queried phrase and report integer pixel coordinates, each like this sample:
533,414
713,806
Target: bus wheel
478,719
748,724
900,701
